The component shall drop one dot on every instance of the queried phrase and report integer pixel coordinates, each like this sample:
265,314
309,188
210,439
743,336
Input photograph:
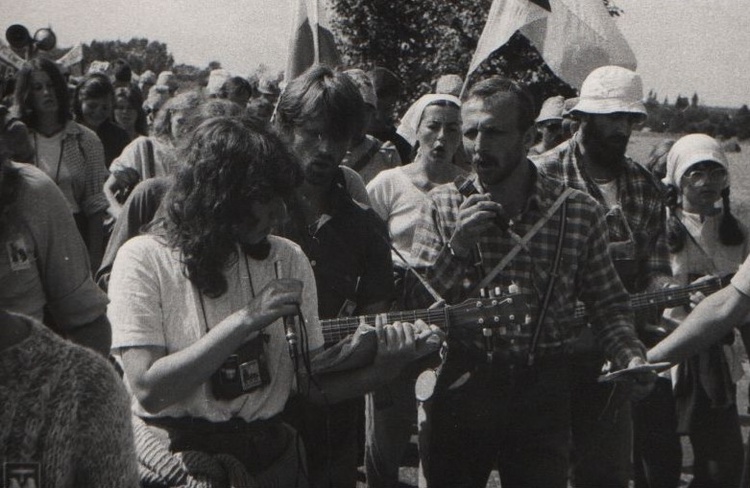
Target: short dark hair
132,95
322,92
122,71
233,85
22,96
94,85
492,89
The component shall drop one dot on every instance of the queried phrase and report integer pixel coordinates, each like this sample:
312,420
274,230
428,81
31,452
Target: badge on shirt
19,254
22,475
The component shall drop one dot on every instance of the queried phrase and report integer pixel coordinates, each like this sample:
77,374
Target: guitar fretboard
336,329
668,297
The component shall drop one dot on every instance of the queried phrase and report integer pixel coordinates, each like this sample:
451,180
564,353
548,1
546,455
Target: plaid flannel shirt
586,271
640,217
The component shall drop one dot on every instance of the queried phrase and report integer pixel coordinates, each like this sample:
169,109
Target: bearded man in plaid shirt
514,412
594,162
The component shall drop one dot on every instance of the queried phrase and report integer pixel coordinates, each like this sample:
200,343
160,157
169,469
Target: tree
139,52
422,39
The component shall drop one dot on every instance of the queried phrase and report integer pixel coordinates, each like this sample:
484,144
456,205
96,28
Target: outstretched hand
641,383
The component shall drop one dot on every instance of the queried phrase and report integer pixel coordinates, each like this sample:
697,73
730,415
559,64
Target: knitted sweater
64,409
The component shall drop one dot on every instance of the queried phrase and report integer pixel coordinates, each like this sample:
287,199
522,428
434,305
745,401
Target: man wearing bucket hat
367,155
594,161
549,125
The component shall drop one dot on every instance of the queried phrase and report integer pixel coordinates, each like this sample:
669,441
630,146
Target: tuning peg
483,292
513,289
498,291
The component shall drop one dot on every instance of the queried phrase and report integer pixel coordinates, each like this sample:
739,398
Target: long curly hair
228,164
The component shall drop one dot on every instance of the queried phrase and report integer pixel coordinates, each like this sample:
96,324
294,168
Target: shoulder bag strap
150,163
366,157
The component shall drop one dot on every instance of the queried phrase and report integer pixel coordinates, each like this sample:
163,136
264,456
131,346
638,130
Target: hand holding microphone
477,214
290,328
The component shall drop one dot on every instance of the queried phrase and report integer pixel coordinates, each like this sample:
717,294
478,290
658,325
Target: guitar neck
336,329
668,297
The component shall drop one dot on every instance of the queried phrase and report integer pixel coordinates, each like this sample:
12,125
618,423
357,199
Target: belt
198,425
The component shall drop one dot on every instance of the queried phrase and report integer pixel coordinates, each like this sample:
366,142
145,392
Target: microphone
467,188
290,331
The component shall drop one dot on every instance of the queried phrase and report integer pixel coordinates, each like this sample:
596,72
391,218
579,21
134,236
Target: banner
574,37
311,40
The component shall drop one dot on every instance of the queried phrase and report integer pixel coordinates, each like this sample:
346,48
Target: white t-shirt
398,202
154,304
49,159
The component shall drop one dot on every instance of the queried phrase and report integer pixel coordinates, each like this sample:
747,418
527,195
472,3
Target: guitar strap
522,243
435,295
550,286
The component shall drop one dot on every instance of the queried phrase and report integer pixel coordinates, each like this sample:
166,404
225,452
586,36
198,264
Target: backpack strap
150,160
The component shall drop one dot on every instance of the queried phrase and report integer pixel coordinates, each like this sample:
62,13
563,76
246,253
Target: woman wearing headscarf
705,239
432,125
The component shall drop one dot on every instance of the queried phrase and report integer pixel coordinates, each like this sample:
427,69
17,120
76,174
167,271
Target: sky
682,46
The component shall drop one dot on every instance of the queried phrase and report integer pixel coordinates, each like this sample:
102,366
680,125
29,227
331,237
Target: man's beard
609,151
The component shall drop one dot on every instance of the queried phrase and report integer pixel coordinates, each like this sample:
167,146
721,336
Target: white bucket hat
689,150
552,109
611,89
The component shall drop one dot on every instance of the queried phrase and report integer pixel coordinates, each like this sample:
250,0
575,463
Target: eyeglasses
702,176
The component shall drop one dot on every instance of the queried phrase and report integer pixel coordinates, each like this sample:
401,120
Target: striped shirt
586,273
639,217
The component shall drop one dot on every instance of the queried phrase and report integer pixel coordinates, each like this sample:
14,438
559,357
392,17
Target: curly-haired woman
196,308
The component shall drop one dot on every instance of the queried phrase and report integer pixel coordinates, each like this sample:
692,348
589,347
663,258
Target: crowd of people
251,285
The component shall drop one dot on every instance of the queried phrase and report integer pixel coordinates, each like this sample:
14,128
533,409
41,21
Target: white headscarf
410,121
689,150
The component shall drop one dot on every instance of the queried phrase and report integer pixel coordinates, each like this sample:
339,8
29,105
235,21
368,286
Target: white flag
311,39
574,37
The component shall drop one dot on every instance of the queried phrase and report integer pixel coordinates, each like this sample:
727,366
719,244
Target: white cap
216,80
611,89
552,109
449,84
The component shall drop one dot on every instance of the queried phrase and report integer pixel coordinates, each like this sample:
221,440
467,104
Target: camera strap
249,279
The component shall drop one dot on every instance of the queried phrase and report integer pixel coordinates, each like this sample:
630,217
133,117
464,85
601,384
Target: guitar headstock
494,312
